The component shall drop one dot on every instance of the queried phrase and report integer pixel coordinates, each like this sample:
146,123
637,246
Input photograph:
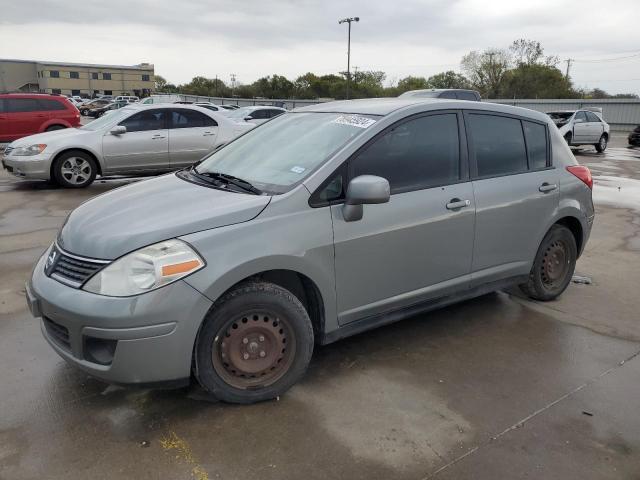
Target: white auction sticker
355,121
297,169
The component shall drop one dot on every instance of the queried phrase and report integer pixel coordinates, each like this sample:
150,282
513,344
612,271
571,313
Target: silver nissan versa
319,224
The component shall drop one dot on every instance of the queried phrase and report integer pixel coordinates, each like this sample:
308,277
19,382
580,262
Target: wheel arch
575,227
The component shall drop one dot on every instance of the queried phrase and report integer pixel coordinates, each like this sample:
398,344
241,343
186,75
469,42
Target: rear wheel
255,343
601,146
553,266
74,169
51,128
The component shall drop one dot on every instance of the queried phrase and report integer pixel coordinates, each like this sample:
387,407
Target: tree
411,83
160,83
486,70
448,79
367,83
530,52
535,81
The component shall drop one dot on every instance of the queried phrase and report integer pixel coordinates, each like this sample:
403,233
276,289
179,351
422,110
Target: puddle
616,191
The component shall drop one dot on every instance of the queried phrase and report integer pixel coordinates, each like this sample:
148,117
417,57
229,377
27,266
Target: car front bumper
36,167
143,339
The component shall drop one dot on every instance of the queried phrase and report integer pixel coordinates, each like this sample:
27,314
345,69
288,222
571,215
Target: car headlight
28,151
146,269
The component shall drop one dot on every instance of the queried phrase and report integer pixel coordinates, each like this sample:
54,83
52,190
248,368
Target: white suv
582,127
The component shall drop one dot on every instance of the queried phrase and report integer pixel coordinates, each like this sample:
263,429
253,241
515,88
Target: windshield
105,120
560,115
285,150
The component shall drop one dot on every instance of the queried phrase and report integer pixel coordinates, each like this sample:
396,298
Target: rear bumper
33,167
144,339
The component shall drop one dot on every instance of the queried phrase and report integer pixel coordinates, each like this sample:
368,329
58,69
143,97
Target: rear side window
448,95
143,121
536,137
190,119
275,113
17,105
258,114
48,104
497,143
420,153
2,105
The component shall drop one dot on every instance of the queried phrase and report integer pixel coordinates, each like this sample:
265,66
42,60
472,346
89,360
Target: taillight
583,173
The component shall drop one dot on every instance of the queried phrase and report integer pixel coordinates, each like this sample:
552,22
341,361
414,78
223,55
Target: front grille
57,333
71,269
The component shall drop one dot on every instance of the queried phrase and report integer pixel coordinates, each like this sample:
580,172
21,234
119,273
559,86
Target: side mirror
247,118
118,130
362,190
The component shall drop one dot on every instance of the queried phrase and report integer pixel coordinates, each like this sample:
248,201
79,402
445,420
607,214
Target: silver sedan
137,139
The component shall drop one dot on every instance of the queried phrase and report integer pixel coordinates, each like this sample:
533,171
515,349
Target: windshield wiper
229,179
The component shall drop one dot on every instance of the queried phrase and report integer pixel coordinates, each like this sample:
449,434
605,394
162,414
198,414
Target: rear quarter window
536,137
47,104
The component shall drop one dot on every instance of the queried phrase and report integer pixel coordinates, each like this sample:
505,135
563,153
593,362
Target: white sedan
137,139
255,115
582,127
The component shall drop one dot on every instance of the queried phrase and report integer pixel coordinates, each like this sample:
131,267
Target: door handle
155,137
456,203
547,187
208,134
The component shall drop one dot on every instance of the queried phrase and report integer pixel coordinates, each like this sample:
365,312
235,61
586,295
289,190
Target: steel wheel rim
603,143
254,349
75,170
555,264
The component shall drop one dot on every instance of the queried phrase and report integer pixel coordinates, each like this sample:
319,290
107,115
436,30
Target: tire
567,138
553,266
601,146
74,169
237,355
51,128
83,113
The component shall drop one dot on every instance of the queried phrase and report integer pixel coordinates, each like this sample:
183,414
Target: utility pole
566,75
233,83
491,71
349,20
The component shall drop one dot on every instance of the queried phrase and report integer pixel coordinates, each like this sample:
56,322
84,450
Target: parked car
634,137
126,98
23,114
132,140
109,107
154,99
97,103
234,269
451,93
255,115
582,127
105,97
213,107
229,106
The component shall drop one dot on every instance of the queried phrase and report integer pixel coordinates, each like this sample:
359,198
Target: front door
192,135
144,146
580,128
516,193
417,246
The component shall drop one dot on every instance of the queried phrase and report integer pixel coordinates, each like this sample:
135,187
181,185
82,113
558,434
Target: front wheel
553,266
601,146
74,169
255,343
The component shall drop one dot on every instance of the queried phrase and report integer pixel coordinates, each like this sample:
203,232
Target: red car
23,114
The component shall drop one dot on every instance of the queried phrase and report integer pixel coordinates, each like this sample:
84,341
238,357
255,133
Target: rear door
516,192
595,127
581,129
145,145
419,244
192,135
53,108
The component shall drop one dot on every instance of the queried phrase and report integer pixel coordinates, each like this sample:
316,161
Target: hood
47,137
146,212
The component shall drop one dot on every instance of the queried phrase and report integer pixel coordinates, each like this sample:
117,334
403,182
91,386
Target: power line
601,60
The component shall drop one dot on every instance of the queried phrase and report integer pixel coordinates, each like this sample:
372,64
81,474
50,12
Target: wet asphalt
494,388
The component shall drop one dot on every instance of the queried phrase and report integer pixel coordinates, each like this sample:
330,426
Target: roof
141,66
386,106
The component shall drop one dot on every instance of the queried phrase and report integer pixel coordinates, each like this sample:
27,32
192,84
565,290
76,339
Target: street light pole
349,20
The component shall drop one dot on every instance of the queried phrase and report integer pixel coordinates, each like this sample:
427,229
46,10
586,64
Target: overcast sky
253,38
